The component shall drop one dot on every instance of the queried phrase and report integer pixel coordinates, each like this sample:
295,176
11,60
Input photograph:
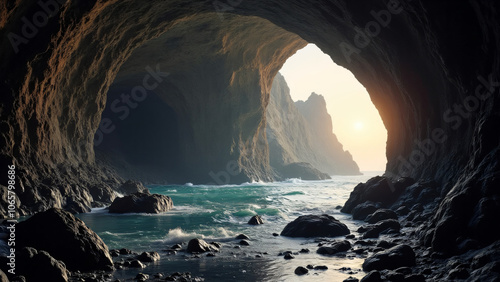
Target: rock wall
431,69
302,132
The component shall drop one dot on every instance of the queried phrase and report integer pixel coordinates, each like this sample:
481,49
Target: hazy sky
356,121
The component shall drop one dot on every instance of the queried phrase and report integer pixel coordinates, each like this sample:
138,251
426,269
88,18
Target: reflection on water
219,214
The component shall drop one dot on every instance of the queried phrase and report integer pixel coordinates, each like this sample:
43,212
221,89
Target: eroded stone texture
431,70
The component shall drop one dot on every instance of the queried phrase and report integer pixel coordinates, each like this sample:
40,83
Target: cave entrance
356,122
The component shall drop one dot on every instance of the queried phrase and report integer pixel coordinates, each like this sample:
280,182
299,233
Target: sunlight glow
356,121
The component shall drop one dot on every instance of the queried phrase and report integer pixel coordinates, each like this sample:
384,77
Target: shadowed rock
315,226
381,214
141,203
392,258
256,220
66,238
131,187
337,247
200,246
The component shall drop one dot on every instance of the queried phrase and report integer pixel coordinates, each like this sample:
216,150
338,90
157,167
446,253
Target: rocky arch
418,65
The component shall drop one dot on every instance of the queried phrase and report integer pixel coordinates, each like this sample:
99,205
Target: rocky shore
392,242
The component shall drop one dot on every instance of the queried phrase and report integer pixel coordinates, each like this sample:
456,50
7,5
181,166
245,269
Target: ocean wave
294,193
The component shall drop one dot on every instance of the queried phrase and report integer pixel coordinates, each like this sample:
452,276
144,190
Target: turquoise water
219,213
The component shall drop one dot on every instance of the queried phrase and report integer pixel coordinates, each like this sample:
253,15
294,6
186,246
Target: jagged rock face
430,68
302,132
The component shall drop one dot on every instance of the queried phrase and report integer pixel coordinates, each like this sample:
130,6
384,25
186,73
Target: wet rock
124,251
304,251
256,220
361,211
136,264
395,257
176,247
373,231
102,194
289,256
384,244
244,243
216,244
276,234
210,255
394,276
242,237
377,189
351,279
149,257
402,210
130,187
301,270
321,267
403,270
381,214
315,226
65,238
200,246
372,276
141,277
310,266
141,203
37,264
342,246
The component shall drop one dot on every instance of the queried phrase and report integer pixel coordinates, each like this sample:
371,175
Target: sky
356,121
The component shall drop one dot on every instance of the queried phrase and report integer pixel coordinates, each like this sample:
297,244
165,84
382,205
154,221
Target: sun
358,126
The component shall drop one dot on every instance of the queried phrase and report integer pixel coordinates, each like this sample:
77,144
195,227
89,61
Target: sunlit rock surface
302,132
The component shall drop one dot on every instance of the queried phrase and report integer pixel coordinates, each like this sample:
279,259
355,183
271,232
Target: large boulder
141,203
65,238
131,187
40,266
377,189
200,246
395,257
315,226
337,247
361,211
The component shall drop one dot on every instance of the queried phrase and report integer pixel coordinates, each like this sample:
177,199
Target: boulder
372,276
102,194
361,211
149,257
301,270
381,214
315,226
242,237
40,265
256,220
200,246
131,187
374,230
337,247
66,238
377,189
351,279
395,257
141,203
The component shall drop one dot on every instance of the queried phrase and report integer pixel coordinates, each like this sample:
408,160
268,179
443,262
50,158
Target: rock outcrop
65,238
59,63
301,132
141,203
315,226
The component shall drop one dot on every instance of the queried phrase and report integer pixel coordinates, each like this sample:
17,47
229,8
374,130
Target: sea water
220,213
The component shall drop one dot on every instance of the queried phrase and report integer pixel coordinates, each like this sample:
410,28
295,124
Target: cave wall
423,64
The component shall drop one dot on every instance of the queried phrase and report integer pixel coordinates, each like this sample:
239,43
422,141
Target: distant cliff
302,133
